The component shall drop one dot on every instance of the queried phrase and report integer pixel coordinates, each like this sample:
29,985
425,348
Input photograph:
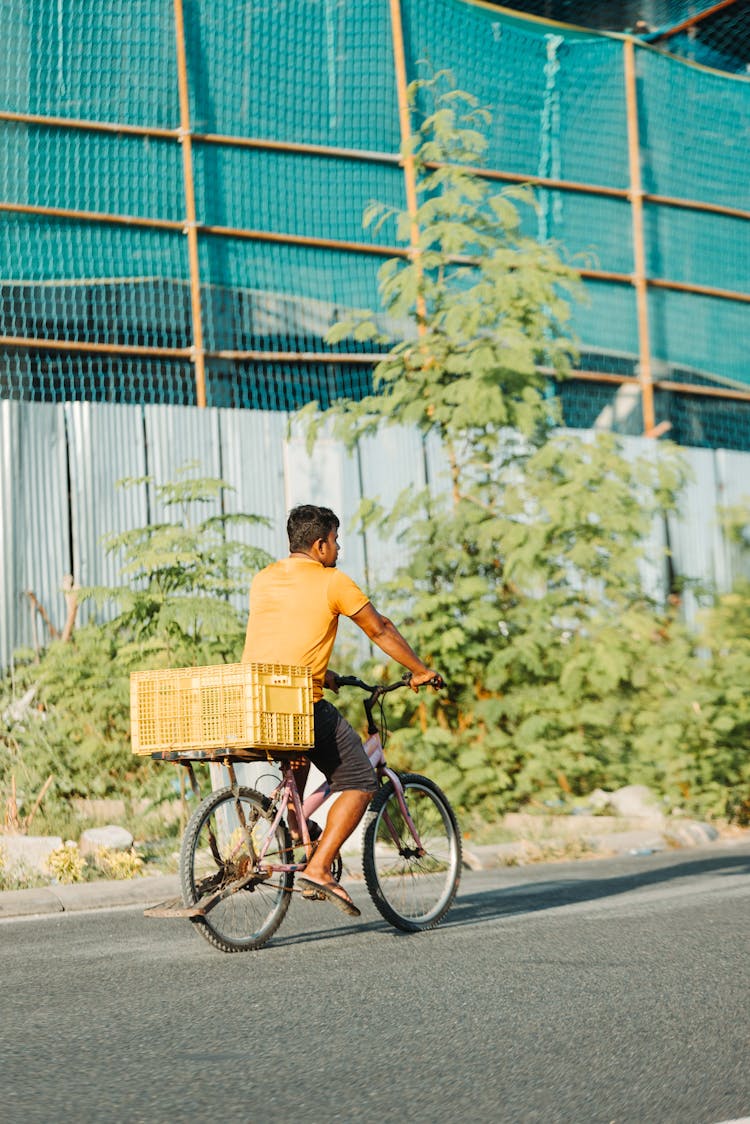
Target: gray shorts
339,753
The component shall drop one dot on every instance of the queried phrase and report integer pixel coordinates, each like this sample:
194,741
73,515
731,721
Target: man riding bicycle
295,605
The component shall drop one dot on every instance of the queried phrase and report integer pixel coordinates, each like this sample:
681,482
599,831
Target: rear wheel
218,857
412,881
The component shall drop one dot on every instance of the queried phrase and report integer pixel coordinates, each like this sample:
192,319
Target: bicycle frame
287,793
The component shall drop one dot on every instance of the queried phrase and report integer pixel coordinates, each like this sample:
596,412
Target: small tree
176,605
476,317
527,594
523,583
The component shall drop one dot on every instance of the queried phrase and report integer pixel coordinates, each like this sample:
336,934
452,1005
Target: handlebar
383,689
376,692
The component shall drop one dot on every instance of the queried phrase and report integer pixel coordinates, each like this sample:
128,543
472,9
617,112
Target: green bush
172,609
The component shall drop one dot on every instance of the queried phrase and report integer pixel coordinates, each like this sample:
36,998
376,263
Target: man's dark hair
307,523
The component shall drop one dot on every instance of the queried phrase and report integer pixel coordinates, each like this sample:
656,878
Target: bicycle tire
215,853
412,891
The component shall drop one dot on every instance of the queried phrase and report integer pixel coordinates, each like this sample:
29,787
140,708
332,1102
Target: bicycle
237,863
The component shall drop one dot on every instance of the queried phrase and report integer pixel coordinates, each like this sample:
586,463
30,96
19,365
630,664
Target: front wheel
412,881
244,904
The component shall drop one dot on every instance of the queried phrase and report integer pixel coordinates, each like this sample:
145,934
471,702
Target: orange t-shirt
295,606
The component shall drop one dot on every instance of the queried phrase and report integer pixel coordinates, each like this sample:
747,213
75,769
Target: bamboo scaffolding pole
639,257
666,385
337,358
191,228
300,148
366,156
92,216
700,290
95,348
304,240
88,126
536,181
705,391
410,176
361,359
693,20
696,205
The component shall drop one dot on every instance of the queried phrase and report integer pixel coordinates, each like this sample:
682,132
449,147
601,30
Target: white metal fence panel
733,489
36,523
391,462
268,464
252,444
327,476
177,436
105,445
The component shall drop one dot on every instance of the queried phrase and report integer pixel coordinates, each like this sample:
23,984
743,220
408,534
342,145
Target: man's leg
344,815
340,755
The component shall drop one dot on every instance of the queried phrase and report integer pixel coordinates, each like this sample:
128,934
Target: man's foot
330,892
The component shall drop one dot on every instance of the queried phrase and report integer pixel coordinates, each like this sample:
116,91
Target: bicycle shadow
537,896
528,897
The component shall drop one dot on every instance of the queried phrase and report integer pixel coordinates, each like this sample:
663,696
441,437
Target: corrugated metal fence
60,464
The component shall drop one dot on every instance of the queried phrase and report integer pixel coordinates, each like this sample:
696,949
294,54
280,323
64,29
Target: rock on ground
112,837
28,852
636,801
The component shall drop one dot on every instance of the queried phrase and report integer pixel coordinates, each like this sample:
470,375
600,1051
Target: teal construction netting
294,121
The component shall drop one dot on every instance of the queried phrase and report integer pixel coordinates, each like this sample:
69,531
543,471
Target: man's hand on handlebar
415,680
419,678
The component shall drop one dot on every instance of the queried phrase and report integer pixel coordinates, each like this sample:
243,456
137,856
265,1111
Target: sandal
335,894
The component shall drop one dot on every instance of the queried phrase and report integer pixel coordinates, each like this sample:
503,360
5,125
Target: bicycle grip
437,681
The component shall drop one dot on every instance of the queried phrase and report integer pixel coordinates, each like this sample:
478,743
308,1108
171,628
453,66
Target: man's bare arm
384,633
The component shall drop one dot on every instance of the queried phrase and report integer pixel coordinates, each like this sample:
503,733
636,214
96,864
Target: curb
88,895
645,841
152,889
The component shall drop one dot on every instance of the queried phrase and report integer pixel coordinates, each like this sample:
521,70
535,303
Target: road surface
607,991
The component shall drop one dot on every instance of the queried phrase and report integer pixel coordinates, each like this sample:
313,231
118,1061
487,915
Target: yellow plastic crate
229,706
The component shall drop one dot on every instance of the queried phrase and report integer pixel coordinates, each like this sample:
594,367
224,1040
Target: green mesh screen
706,422
319,71
294,126
285,386
100,62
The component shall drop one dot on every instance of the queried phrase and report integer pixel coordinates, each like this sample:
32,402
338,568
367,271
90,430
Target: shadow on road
583,885
532,897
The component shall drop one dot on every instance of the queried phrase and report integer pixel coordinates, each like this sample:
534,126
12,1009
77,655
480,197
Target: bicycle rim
412,888
223,837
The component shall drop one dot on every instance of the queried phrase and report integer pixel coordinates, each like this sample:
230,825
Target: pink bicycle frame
289,793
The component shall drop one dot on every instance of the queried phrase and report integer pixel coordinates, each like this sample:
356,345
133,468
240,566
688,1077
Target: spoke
235,899
413,883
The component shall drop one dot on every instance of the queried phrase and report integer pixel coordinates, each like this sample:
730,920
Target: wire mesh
100,62
39,375
108,174
284,386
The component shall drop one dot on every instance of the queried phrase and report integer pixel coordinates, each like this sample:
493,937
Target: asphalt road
606,991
